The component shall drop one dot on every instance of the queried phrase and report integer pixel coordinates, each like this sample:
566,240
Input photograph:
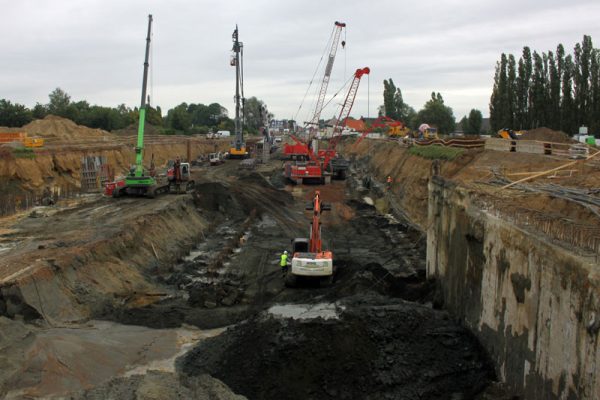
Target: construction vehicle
506,133
308,257
391,127
21,138
139,182
142,182
300,150
216,158
179,177
427,132
238,147
324,164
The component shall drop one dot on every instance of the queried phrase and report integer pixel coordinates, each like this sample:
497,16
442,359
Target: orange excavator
308,257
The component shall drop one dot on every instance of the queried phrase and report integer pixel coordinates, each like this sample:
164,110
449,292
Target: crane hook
343,44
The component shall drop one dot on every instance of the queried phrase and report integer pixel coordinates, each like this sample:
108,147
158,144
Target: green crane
137,181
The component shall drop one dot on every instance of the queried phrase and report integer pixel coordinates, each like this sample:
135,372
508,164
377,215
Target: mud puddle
307,311
88,355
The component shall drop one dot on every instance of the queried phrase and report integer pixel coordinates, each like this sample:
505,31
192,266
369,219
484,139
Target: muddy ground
376,333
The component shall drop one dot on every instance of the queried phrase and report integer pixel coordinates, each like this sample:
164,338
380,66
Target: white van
223,133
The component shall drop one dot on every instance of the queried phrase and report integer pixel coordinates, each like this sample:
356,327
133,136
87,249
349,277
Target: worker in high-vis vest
283,261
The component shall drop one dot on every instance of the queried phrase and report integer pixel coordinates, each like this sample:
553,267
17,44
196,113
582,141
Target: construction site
297,265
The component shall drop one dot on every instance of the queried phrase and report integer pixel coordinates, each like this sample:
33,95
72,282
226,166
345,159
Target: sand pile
547,135
63,129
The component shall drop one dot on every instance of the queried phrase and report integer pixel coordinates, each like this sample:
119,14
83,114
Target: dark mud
379,348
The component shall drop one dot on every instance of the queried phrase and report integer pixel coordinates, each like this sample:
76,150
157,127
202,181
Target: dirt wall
96,266
58,166
534,306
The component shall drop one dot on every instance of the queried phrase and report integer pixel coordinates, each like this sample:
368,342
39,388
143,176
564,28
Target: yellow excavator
509,134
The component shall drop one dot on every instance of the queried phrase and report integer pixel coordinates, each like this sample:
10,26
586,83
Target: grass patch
23,152
436,152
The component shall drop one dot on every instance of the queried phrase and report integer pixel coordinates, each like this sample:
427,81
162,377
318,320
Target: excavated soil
547,135
61,129
373,348
376,333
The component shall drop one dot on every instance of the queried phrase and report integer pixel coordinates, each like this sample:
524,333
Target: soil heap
378,348
547,135
63,129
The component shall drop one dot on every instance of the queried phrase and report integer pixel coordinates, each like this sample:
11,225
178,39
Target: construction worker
389,182
283,262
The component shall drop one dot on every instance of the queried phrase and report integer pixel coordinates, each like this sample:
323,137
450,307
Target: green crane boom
139,149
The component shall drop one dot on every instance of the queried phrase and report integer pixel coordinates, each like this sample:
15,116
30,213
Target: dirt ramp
365,347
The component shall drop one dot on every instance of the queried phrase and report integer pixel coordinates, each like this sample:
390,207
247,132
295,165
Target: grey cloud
94,49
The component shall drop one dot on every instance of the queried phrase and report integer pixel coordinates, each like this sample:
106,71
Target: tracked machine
238,147
142,182
308,257
300,149
322,165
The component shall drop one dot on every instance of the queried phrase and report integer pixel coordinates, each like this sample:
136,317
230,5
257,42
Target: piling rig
238,147
308,257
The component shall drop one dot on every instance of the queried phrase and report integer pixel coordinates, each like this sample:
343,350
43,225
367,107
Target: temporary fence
12,203
568,150
462,143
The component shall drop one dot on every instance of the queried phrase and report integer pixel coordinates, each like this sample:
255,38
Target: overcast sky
94,49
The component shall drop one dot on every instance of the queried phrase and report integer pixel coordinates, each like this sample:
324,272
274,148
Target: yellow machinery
506,133
33,142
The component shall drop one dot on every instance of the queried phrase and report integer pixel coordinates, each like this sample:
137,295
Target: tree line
434,112
552,89
182,119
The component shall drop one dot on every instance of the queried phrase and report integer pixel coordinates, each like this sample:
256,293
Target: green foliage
437,114
464,123
179,119
23,152
39,111
550,89
13,115
255,115
394,105
436,152
183,119
474,123
59,102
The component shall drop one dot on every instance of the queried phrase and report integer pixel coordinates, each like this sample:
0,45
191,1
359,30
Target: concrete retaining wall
534,305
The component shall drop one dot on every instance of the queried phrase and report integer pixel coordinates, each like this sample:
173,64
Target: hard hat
285,252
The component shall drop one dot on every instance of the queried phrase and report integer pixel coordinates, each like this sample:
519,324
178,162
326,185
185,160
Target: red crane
316,167
300,149
330,153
